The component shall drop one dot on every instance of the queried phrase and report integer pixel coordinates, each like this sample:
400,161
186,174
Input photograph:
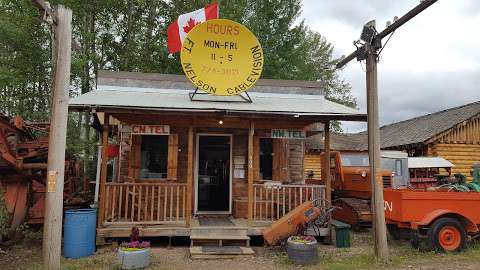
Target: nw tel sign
222,57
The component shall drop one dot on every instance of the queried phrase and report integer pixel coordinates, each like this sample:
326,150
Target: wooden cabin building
453,134
183,156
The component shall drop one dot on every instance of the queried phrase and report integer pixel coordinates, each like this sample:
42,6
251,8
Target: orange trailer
438,220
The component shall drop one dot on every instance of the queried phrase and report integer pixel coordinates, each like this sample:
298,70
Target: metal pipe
33,166
97,177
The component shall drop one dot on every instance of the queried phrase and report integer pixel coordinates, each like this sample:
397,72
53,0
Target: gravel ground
27,255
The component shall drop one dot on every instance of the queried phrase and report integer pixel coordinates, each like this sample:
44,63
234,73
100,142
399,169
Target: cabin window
154,157
266,158
398,168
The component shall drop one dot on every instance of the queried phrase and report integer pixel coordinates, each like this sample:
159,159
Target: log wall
463,156
313,162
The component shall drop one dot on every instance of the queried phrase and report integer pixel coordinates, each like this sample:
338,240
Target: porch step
219,242
228,252
219,235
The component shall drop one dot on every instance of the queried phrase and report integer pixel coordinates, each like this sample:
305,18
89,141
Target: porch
159,209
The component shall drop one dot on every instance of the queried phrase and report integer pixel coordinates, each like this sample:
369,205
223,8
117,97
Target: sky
431,63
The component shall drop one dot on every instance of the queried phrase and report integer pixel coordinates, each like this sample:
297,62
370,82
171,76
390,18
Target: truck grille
387,181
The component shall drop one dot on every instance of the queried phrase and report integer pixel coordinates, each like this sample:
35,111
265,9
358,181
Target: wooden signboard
150,130
288,134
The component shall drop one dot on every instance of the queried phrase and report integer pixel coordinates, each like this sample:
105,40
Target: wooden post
326,169
52,231
103,169
379,227
250,172
190,175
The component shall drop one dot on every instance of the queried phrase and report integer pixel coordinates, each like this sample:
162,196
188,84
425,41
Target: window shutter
135,151
280,160
256,158
172,157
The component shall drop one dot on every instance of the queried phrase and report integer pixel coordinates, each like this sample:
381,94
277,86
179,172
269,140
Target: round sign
222,57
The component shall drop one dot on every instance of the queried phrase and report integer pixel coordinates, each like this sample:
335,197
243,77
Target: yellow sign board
222,57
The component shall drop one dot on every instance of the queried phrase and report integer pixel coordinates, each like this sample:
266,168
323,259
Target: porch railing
272,201
145,203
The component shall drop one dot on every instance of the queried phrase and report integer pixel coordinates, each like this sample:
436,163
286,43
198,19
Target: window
398,168
354,160
154,157
266,158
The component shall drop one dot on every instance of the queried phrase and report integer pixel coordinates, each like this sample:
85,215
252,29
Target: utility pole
378,223
61,22
369,52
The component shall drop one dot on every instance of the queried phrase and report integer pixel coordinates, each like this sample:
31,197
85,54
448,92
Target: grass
401,255
360,256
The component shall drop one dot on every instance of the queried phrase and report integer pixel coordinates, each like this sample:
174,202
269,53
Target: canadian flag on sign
178,30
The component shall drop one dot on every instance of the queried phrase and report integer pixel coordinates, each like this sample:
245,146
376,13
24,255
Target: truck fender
430,217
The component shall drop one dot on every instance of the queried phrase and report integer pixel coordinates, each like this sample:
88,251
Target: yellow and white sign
222,57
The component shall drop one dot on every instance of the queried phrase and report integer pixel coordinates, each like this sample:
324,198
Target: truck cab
351,174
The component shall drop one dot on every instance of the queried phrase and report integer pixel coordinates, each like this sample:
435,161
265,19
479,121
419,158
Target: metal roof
339,142
428,162
107,96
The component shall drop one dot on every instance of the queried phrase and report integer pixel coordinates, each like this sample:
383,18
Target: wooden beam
103,172
6,152
326,171
250,173
190,176
209,121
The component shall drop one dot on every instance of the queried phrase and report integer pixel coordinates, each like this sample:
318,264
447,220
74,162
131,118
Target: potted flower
302,250
134,254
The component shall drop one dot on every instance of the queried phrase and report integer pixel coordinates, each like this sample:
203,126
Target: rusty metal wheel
447,235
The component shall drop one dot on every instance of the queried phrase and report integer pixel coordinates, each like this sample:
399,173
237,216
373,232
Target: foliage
131,36
303,239
24,61
4,217
136,245
135,242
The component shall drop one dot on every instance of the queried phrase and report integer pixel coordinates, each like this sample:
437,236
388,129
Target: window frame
139,176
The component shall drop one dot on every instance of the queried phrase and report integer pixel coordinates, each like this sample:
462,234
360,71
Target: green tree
131,35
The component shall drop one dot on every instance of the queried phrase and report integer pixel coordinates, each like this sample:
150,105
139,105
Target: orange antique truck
350,174
441,219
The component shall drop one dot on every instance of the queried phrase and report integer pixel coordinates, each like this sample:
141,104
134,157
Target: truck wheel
447,235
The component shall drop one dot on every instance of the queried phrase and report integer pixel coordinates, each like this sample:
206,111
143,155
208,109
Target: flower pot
134,259
302,253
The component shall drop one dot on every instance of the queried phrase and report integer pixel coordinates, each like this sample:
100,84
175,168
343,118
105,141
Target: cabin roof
421,129
170,96
339,142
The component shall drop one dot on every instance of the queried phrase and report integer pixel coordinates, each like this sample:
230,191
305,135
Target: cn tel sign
288,134
222,57
151,130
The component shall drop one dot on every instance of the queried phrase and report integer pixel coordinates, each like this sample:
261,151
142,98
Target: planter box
137,259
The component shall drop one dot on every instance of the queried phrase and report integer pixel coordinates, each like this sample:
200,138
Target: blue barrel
79,233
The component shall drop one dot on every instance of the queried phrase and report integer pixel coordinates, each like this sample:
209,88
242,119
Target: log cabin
453,134
184,156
